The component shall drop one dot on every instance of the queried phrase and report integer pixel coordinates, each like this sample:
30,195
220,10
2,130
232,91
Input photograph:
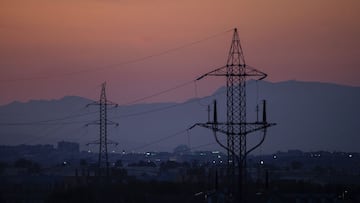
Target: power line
159,140
198,146
52,121
116,65
49,121
166,138
196,99
162,108
159,93
46,134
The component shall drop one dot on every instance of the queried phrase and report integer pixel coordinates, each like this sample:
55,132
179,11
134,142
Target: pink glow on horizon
305,40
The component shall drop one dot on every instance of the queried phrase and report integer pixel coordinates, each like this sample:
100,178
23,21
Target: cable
161,108
199,146
158,140
159,93
72,134
110,66
188,138
53,121
148,111
49,121
49,133
196,94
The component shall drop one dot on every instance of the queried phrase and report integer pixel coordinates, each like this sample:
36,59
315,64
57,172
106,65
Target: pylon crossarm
208,125
110,103
93,103
193,126
218,127
222,127
252,72
217,72
222,71
252,127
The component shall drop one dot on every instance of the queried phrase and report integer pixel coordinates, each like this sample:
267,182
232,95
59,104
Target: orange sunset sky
50,49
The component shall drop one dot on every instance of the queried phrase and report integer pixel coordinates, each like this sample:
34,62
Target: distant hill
310,116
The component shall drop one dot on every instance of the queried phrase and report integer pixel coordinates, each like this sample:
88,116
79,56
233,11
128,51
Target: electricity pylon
236,128
103,141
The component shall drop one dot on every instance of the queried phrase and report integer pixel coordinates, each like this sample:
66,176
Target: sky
51,49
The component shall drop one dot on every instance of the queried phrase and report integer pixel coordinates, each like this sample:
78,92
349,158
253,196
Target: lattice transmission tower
236,128
103,141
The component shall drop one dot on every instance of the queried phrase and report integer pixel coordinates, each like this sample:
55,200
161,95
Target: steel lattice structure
236,128
103,103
